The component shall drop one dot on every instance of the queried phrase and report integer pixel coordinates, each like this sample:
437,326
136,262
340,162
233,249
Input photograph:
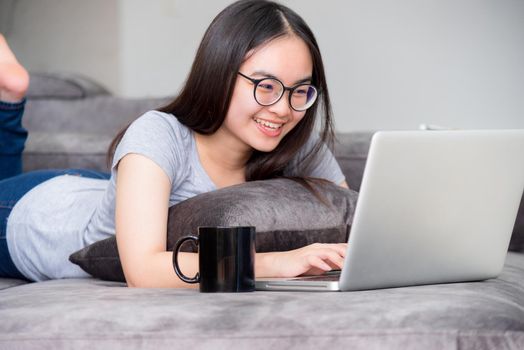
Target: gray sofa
71,122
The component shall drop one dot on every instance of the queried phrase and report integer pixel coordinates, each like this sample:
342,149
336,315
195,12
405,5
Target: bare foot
14,79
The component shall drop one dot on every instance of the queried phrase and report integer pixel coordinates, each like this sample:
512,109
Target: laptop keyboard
327,278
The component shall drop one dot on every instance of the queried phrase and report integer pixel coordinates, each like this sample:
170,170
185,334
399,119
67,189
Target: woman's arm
142,203
344,184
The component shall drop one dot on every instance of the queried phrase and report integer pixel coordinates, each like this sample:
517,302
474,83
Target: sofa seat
75,313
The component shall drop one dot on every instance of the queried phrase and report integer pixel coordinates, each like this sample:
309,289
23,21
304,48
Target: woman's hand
313,259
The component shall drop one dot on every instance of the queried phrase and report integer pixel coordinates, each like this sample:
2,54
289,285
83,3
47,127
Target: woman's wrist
265,264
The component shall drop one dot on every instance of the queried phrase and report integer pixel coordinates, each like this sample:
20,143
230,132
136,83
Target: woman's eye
268,87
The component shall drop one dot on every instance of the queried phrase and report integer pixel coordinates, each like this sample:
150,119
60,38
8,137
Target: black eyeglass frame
290,89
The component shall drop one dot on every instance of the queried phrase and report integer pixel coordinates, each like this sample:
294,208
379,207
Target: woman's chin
265,147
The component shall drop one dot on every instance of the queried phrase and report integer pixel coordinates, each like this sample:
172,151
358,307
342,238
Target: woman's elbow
140,277
134,281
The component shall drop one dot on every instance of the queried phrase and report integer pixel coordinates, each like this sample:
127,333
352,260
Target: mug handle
179,273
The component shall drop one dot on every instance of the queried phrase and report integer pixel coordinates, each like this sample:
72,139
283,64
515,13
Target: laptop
434,207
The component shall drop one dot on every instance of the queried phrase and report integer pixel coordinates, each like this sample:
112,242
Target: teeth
268,124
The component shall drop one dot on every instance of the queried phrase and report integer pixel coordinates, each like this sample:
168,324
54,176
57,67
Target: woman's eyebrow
269,75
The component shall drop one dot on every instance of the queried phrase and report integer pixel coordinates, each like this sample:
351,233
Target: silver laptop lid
435,206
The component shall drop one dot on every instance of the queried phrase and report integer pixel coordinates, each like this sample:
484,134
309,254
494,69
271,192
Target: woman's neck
221,154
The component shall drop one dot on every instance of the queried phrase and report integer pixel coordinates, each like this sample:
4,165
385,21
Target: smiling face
252,126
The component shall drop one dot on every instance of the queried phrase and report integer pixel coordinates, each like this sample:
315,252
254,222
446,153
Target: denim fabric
12,138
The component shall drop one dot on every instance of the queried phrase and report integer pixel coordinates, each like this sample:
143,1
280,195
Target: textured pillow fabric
286,216
517,239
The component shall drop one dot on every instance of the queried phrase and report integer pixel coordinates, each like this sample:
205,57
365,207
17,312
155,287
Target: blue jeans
12,138
14,184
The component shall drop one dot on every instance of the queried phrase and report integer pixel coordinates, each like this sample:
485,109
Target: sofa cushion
93,314
11,282
286,215
351,151
47,150
62,86
76,133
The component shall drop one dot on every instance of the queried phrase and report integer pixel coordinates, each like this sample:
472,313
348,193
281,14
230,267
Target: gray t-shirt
67,213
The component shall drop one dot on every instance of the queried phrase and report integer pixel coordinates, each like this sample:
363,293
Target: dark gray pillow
286,216
517,239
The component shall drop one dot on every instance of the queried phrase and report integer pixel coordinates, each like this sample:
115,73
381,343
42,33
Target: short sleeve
323,164
161,138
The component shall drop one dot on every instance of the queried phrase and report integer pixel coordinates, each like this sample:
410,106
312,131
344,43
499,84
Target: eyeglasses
268,91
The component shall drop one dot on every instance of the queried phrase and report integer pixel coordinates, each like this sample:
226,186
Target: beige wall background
390,64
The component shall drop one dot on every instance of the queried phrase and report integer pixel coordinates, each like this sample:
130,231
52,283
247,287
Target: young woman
246,112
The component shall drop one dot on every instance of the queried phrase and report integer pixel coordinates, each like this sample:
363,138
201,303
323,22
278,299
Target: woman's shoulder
160,137
155,120
155,127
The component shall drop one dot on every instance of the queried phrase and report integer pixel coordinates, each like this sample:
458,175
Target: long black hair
204,100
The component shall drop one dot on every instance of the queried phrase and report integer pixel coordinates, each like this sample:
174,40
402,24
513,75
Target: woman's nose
282,107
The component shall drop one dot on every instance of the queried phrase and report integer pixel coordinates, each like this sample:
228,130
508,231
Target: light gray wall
65,36
390,64
159,42
396,64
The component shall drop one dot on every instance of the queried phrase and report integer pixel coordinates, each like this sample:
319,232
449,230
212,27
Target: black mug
226,257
